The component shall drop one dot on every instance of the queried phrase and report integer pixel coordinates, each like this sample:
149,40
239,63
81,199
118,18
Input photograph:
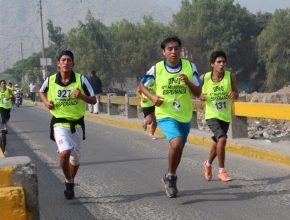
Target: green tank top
4,101
65,104
177,101
146,101
217,104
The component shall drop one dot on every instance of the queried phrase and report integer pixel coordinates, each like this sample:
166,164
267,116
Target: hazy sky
264,5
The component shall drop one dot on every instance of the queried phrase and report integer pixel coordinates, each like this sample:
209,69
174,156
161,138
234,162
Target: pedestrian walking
96,84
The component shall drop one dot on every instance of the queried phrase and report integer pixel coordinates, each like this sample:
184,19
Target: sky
264,5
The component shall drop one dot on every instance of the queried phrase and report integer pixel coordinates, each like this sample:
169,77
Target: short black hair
169,40
216,54
67,53
3,80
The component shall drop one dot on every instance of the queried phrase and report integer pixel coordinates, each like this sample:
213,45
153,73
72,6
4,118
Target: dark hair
169,40
93,72
3,80
216,54
67,53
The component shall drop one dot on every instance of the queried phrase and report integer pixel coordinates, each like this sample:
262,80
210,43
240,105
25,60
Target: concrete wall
18,188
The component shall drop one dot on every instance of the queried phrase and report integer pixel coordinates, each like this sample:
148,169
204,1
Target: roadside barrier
128,107
18,188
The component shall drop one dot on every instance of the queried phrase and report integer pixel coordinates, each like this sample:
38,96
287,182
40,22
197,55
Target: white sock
171,174
207,164
222,169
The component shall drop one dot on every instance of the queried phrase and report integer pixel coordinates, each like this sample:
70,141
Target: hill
20,28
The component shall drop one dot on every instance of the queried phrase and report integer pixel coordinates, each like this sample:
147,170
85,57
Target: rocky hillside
20,20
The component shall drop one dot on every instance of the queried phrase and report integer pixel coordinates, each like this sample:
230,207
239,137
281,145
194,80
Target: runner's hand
49,104
77,93
157,100
202,97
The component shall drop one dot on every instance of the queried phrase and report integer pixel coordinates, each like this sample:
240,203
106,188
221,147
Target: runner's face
65,64
219,65
172,53
3,85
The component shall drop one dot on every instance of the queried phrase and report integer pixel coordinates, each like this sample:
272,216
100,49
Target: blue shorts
172,128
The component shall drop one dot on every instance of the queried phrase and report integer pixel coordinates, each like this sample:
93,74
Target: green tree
274,50
54,34
208,25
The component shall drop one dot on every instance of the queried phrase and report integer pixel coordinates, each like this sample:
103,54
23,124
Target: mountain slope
20,20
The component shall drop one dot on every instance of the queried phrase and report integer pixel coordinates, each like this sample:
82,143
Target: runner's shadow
241,194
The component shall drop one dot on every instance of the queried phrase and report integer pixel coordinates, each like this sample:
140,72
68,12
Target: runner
176,80
6,96
65,94
148,107
218,90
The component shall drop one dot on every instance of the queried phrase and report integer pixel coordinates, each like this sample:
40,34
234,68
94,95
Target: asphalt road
120,177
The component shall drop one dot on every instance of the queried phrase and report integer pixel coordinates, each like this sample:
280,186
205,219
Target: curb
245,150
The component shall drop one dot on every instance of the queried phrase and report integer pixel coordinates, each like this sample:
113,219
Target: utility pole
42,37
21,50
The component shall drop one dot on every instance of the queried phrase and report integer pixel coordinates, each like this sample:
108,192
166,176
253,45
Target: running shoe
152,136
224,176
69,192
169,183
207,171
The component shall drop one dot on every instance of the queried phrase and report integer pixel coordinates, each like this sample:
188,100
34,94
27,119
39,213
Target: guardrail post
112,109
239,126
130,111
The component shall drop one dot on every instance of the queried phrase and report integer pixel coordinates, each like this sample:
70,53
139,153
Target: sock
171,174
207,164
69,181
222,169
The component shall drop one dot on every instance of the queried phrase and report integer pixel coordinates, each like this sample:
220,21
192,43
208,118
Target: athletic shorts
148,110
218,127
66,140
172,128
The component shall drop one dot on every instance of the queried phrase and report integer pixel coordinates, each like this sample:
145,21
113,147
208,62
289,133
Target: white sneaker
152,136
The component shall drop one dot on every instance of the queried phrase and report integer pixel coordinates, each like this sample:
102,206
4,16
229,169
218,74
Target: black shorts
148,110
218,127
5,115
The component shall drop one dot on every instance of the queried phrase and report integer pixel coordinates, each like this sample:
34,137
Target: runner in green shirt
219,88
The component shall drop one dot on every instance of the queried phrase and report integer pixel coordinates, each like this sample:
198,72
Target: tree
274,50
208,25
54,34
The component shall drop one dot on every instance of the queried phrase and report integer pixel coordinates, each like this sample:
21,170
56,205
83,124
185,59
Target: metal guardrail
114,105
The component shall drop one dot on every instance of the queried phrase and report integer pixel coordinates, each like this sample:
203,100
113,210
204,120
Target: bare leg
73,170
174,154
64,164
221,151
212,153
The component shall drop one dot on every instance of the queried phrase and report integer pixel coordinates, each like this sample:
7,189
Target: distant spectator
96,84
32,90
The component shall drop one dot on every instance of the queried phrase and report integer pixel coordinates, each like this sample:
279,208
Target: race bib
220,105
63,94
4,100
176,105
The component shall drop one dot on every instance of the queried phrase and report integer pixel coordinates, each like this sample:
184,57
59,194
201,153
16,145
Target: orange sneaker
223,176
207,171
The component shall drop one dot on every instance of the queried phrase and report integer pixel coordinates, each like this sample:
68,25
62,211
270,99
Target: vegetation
257,45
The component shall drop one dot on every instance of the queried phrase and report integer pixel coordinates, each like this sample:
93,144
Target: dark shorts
5,115
148,110
218,127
